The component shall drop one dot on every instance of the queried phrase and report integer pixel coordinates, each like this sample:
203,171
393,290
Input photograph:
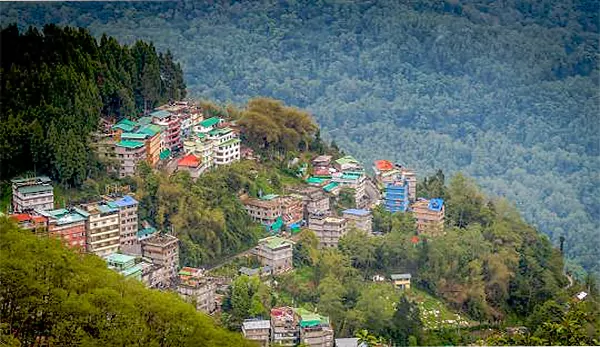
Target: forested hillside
50,295
504,91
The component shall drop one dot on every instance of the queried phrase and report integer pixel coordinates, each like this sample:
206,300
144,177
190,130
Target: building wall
363,223
328,230
129,158
103,233
72,234
428,221
164,253
279,259
128,228
153,149
35,201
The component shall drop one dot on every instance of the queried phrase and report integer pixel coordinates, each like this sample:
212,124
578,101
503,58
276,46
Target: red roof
414,239
21,217
189,160
383,165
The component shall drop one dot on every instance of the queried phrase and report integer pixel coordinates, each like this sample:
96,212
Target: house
315,330
197,288
163,250
385,171
411,178
199,145
125,265
581,296
130,153
265,210
429,215
396,196
401,281
328,229
314,201
171,125
191,164
154,276
248,271
275,252
208,124
257,330
32,193
360,219
34,223
70,225
102,228
285,330
226,146
347,163
322,161
128,218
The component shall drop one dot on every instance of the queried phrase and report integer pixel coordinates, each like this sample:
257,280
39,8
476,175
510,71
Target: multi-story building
155,276
104,146
314,201
35,193
291,209
197,288
69,225
103,228
27,221
275,252
129,153
385,171
315,330
285,330
265,210
328,229
191,164
163,250
124,264
360,219
430,216
257,330
172,125
152,138
396,196
128,217
348,163
208,124
202,147
352,180
411,179
226,146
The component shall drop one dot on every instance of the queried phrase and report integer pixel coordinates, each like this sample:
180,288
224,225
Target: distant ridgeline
56,83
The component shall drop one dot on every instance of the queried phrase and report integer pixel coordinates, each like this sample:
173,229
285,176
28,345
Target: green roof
160,114
133,136
276,241
132,270
130,144
347,160
146,231
331,186
119,258
125,125
309,319
107,209
150,130
230,142
314,180
269,197
210,122
35,189
164,154
219,131
145,120
42,179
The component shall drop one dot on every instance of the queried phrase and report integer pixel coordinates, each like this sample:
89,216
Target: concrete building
257,330
226,145
152,138
401,281
172,128
348,163
33,223
396,196
34,193
103,229
285,330
328,229
128,219
154,276
430,216
199,145
124,264
208,124
191,164
275,252
315,202
411,178
360,219
265,210
69,225
291,209
352,180
315,330
129,153
197,288
163,250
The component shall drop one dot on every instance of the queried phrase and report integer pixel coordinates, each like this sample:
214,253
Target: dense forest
55,85
50,295
503,91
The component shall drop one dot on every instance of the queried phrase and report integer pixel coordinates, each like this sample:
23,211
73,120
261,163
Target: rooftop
31,180
130,144
160,114
331,186
34,188
145,120
274,242
400,276
219,131
150,130
189,160
161,239
314,180
26,217
436,204
212,121
125,201
119,258
269,197
384,165
347,160
133,136
311,319
143,233
256,324
357,212
322,159
230,142
63,216
125,125
102,208
164,154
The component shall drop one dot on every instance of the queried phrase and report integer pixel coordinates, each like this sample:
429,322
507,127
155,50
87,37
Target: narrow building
70,225
129,153
33,193
429,215
360,219
172,128
328,229
257,330
396,196
226,145
315,329
197,289
36,224
103,229
163,250
401,281
128,218
275,252
285,330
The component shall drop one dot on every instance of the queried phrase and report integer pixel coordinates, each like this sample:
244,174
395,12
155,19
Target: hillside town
180,137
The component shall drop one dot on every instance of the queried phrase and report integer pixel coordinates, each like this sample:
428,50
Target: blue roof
126,201
436,204
160,114
357,212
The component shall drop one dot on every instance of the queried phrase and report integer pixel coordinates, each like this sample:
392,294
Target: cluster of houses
175,130
290,326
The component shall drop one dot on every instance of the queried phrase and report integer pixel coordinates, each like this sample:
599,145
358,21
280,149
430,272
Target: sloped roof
160,114
400,276
384,165
357,212
125,201
130,144
189,160
210,122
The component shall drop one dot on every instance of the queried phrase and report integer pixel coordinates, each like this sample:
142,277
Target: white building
103,229
35,193
226,146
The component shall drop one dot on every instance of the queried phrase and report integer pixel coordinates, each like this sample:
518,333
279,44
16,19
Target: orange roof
189,160
383,165
21,217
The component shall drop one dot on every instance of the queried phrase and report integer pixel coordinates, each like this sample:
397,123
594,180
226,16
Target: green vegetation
56,83
503,91
50,295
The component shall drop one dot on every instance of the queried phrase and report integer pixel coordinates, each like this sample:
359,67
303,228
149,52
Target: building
292,209
124,264
349,342
347,163
34,193
352,180
197,288
360,219
208,124
257,330
154,276
203,148
152,137
226,145
429,215
275,252
129,153
401,281
172,127
128,219
191,164
104,146
69,225
103,229
33,223
315,330
396,196
285,330
265,210
385,171
163,250
328,229
314,201
411,178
